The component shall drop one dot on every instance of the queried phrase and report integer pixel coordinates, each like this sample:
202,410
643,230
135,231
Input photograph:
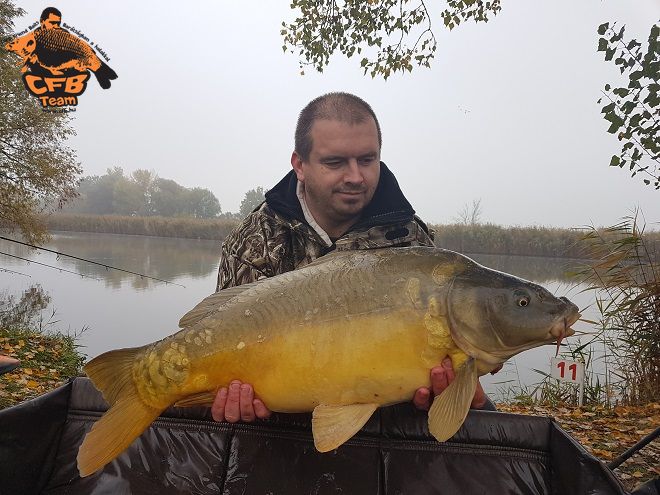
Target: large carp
350,332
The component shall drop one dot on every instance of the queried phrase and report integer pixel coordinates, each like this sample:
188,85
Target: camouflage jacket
275,238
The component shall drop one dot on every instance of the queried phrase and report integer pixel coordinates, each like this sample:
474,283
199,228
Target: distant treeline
479,238
142,193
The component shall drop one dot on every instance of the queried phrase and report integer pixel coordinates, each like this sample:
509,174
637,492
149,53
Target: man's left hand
441,377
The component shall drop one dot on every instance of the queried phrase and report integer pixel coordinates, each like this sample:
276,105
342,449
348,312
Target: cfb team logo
56,63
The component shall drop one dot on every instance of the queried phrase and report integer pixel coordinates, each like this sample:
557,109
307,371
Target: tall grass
523,241
476,238
624,275
184,227
625,278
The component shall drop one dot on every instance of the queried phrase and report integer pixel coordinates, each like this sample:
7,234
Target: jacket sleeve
244,256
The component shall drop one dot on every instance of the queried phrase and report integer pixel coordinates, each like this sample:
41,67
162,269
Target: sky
507,114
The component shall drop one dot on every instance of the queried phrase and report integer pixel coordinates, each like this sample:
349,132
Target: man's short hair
47,11
344,107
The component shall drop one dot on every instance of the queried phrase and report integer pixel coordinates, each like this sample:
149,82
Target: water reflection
164,258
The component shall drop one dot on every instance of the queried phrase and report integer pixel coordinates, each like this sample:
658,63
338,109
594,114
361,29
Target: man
340,196
51,18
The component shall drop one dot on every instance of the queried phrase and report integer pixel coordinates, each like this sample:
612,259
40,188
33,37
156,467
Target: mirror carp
342,336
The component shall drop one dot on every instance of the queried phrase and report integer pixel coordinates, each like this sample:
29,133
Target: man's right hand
237,403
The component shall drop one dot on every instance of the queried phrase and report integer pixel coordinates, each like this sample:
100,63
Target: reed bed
477,239
182,227
524,241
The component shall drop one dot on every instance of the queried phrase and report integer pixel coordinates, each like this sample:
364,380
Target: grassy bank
482,238
522,241
47,361
188,228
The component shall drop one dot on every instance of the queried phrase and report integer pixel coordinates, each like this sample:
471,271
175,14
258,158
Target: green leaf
607,108
602,44
634,76
615,161
602,29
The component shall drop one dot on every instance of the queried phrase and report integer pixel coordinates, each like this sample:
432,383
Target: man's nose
353,173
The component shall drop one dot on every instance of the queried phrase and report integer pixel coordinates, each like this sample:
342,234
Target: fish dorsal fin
326,258
450,408
334,425
200,399
211,303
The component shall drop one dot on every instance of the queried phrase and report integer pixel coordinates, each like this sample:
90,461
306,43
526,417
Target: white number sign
566,370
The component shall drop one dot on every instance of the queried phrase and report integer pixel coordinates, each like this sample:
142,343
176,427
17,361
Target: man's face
51,22
342,172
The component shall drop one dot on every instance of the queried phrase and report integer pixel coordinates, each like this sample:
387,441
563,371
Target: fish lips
562,327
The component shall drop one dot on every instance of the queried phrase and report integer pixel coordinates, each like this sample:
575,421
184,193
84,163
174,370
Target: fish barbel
350,332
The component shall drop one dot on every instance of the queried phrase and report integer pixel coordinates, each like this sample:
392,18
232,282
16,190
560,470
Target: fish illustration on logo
56,63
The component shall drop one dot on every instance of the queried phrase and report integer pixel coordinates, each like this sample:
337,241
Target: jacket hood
387,206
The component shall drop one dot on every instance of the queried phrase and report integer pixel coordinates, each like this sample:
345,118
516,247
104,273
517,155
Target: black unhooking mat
184,451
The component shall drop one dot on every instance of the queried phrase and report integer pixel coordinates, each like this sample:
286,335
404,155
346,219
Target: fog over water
507,113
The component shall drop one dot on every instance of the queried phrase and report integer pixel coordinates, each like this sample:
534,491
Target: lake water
112,309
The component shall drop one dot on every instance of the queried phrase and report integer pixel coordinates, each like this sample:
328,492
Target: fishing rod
107,267
7,270
50,266
638,446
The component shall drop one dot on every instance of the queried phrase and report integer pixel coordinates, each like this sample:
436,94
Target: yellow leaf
638,474
605,454
32,384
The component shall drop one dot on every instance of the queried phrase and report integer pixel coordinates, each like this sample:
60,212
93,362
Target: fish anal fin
450,408
113,433
200,399
334,425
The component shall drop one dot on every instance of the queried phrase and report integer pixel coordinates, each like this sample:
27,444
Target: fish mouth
562,329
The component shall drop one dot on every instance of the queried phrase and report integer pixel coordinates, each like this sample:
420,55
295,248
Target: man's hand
441,377
237,403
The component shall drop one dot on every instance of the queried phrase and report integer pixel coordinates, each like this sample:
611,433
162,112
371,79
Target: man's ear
297,164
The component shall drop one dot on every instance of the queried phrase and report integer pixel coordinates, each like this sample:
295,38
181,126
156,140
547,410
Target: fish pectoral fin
200,399
334,425
450,408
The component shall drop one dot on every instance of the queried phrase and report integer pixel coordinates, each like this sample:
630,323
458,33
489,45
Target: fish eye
522,298
523,301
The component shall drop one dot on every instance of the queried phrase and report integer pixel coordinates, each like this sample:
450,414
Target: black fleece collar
388,205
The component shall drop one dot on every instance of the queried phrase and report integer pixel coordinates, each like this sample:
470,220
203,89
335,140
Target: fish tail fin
127,417
104,75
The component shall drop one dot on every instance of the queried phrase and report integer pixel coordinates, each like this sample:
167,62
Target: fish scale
61,40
